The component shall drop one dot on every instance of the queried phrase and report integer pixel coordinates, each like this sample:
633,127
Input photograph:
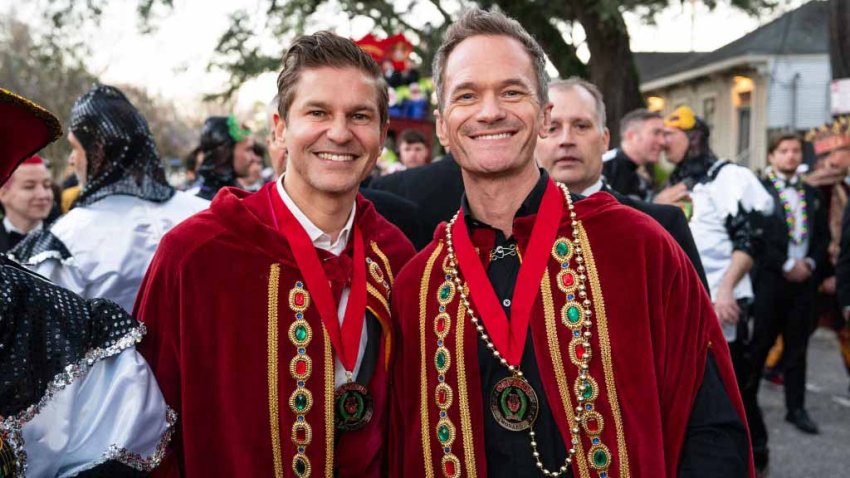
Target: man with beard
102,247
641,146
27,198
572,153
538,336
76,398
268,313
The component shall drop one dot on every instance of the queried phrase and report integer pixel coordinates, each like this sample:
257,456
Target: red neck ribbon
509,339
345,340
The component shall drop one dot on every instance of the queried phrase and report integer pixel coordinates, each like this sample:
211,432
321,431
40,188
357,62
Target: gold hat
830,136
682,117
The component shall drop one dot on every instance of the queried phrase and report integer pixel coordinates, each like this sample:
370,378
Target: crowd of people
534,302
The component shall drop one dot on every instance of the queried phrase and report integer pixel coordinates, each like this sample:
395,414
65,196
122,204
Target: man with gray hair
572,154
641,145
537,335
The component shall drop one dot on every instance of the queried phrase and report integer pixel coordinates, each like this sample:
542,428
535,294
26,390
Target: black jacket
621,175
775,238
435,188
673,220
842,269
6,242
402,213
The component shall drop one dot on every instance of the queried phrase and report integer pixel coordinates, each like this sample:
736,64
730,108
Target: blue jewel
301,351
441,378
603,475
576,333
300,449
300,383
571,297
442,308
443,414
447,450
439,343
564,265
596,441
299,284
299,315
589,406
448,277
300,418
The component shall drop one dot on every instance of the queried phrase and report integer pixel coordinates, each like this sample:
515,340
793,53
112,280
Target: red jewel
441,396
580,351
450,468
300,367
441,325
299,299
568,280
592,425
300,435
379,274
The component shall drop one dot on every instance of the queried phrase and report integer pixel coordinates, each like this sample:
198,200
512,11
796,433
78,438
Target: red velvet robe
208,301
653,326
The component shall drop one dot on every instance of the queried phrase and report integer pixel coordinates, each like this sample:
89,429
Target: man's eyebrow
471,85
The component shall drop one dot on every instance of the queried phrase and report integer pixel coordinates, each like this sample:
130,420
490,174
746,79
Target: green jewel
562,248
441,360
300,402
445,291
573,314
443,433
300,333
300,467
587,393
600,458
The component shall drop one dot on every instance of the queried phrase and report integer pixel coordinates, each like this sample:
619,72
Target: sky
172,62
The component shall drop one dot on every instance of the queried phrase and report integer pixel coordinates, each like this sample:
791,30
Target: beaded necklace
790,220
576,316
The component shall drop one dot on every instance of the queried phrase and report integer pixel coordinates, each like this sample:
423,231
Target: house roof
800,31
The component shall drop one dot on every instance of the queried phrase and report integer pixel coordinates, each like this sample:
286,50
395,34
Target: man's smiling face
491,116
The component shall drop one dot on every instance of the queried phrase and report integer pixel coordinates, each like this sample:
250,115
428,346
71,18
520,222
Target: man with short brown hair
269,313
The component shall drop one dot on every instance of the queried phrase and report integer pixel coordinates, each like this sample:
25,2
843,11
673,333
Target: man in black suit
785,276
435,188
575,159
26,199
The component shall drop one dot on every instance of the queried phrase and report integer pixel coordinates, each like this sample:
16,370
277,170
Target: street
797,455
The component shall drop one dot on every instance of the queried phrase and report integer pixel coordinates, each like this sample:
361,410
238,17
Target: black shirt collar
528,207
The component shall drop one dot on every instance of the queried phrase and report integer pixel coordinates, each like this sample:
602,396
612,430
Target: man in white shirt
27,199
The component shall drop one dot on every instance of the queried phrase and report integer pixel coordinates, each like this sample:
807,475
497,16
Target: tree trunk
612,66
839,38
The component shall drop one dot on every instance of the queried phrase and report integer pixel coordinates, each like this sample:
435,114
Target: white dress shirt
11,227
595,188
324,241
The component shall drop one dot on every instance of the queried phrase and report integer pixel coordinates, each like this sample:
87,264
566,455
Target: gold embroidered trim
424,396
386,335
466,434
558,366
329,405
605,346
272,344
378,252
376,294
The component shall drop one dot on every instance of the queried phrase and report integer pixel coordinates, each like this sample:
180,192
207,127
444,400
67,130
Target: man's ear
442,133
547,120
279,130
